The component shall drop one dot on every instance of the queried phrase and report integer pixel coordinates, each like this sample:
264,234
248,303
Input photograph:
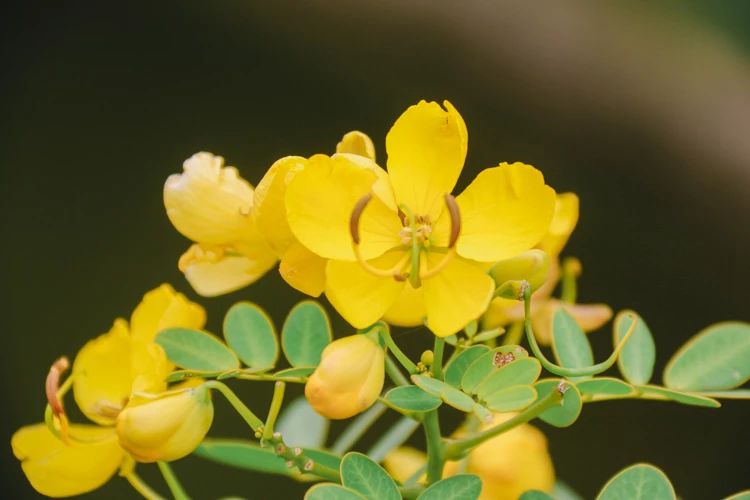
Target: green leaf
196,350
300,371
638,482
603,388
686,398
301,426
306,332
735,394
455,369
361,474
636,361
482,413
568,412
535,495
250,333
522,371
458,487
564,492
447,393
411,399
716,359
513,398
569,343
487,363
331,491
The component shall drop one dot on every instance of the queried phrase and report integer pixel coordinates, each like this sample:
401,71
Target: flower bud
209,203
167,428
349,378
532,266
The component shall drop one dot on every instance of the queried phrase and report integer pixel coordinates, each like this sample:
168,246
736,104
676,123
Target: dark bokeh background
643,110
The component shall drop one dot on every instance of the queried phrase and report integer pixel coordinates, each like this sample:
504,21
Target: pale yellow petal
409,309
358,143
320,200
426,152
360,297
457,295
504,211
563,223
209,203
58,470
164,308
303,270
269,208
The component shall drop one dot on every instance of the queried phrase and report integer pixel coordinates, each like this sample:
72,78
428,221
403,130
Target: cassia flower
210,204
75,459
168,427
399,245
348,379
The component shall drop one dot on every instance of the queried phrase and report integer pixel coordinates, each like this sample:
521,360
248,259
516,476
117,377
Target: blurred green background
642,109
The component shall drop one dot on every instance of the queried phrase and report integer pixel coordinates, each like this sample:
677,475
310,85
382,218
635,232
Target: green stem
180,375
435,457
393,371
178,492
358,428
437,362
142,488
254,422
273,411
398,353
458,448
570,269
296,457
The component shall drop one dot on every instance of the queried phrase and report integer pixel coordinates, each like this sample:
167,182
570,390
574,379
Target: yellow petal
57,470
269,208
359,296
563,223
403,462
426,151
303,270
216,270
164,308
357,143
103,375
320,200
209,203
382,186
149,367
457,295
504,211
409,309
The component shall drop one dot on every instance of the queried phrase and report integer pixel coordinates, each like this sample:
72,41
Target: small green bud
427,358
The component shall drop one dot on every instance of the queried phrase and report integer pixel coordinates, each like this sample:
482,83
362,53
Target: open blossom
81,457
210,204
349,378
543,306
398,245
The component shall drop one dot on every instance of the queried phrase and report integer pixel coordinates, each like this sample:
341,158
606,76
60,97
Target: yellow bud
349,378
167,428
358,143
532,266
511,463
209,203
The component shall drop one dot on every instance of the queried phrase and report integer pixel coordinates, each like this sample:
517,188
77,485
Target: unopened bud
532,266
427,358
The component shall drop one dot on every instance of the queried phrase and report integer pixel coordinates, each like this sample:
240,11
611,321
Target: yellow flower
349,378
167,428
508,464
106,371
399,246
300,268
543,307
212,205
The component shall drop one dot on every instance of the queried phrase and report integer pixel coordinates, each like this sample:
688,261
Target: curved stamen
53,391
359,207
455,215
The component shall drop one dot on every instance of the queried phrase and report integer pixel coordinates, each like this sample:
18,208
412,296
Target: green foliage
411,399
717,358
602,388
513,398
455,369
569,342
523,371
449,394
250,333
331,491
636,361
361,474
306,332
302,426
535,495
488,363
570,408
686,398
196,350
458,487
638,482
